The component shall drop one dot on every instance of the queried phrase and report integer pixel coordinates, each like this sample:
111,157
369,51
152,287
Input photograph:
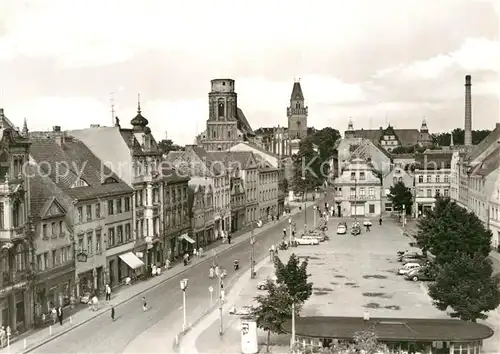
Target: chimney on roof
56,128
60,138
468,111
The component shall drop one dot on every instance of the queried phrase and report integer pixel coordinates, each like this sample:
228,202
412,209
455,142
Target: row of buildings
85,208
365,170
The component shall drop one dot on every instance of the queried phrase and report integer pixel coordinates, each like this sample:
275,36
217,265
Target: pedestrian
228,238
380,221
153,270
112,313
284,232
368,228
60,315
108,292
54,314
167,264
144,304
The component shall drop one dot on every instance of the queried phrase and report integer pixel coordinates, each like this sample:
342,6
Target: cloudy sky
377,61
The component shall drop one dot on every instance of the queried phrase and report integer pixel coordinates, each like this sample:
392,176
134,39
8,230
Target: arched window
297,105
221,108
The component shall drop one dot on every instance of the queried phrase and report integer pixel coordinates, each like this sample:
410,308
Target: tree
466,285
450,230
400,196
167,145
444,139
294,277
306,167
273,309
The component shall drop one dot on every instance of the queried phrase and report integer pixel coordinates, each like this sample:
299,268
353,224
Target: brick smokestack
468,112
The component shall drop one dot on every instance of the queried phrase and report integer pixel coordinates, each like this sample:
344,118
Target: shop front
53,288
90,282
186,243
16,307
126,265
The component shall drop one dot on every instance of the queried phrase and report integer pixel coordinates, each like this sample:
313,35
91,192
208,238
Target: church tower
297,114
222,124
425,138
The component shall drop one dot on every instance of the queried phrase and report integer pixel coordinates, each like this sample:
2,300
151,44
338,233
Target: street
154,330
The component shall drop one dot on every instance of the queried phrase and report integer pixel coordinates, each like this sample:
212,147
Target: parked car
307,240
422,273
341,229
408,254
318,235
407,268
414,259
367,222
242,311
355,231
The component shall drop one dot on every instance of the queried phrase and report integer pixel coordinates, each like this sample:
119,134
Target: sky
380,62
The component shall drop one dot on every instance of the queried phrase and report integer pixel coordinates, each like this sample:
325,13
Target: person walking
144,304
108,292
60,315
380,221
112,313
228,238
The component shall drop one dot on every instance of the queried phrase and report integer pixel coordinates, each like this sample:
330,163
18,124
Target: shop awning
132,260
187,238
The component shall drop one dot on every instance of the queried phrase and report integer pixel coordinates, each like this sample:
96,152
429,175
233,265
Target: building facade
432,178
238,205
268,190
494,211
358,190
16,236
400,173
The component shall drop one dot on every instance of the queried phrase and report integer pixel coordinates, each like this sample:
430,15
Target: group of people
57,314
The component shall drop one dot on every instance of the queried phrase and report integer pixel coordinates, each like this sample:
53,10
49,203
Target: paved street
134,330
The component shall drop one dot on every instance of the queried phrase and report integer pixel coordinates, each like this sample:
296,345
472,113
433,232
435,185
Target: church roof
405,136
297,92
243,124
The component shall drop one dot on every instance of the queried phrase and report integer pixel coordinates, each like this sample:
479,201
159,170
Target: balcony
296,111
362,198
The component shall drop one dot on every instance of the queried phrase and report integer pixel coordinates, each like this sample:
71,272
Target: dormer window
110,180
80,182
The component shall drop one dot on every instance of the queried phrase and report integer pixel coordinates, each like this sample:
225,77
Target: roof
8,129
489,164
71,161
433,159
297,92
405,136
485,143
43,191
230,158
243,124
391,329
172,176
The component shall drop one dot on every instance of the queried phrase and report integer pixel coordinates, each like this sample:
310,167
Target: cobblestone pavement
93,332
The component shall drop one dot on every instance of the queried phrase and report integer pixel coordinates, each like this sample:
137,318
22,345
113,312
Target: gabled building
16,234
358,190
365,149
401,173
99,209
200,203
494,210
268,189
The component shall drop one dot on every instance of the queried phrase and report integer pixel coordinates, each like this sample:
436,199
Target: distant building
400,173
390,138
357,190
366,149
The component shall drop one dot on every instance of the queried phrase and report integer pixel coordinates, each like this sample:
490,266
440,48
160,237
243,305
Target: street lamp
292,341
252,256
404,215
290,233
315,208
305,204
184,285
220,274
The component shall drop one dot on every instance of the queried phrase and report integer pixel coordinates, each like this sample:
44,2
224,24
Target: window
371,208
362,191
98,211
90,236
80,243
446,179
110,207
127,204
119,205
79,214
420,179
88,212
98,241
446,192
111,236
44,231
221,108
460,348
54,258
39,262
429,178
53,230
128,234
438,177
388,206
429,193
361,176
353,191
353,176
46,260
421,192
372,191
119,234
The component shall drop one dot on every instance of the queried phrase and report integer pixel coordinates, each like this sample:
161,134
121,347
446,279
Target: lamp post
404,215
305,204
292,341
315,208
290,231
252,256
184,285
220,274
355,199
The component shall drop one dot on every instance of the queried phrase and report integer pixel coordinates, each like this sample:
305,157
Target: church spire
138,103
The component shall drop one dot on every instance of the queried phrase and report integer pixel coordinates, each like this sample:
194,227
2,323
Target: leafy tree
400,196
293,275
273,309
444,139
167,145
306,167
450,230
466,285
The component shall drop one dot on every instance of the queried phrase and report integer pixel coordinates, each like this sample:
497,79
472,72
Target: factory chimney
468,112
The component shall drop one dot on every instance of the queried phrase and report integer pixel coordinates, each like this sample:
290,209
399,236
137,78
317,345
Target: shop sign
9,288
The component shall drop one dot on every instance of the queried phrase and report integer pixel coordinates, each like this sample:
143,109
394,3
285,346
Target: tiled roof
406,136
489,164
228,158
485,143
243,124
392,329
42,192
171,175
71,160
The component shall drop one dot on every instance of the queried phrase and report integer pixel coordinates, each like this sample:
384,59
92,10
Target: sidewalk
32,340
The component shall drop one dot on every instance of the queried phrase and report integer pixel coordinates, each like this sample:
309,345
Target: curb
99,314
